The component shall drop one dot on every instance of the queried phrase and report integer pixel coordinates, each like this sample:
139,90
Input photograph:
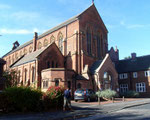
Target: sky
128,21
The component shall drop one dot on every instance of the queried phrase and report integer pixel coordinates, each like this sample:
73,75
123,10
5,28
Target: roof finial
92,1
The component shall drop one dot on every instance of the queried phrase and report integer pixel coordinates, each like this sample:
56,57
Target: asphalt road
141,112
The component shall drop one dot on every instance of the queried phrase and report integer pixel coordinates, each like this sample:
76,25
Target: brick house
74,53
2,62
134,74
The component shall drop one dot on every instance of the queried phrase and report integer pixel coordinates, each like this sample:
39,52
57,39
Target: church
73,54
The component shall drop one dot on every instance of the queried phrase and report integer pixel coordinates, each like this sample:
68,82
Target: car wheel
76,100
88,99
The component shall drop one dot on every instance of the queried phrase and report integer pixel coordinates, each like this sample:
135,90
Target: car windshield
79,91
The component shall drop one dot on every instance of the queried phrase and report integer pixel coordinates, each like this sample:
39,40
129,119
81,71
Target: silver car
85,94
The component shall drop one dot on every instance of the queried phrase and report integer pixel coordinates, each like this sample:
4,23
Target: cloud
18,31
133,26
4,6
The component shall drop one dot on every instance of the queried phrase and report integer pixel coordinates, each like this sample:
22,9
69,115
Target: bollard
99,102
112,99
123,99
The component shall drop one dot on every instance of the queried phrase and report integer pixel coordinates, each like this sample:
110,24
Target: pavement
81,110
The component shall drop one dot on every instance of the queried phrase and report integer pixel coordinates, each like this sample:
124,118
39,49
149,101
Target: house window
79,85
60,42
140,87
123,88
135,75
25,51
147,73
98,47
88,37
45,84
123,76
45,42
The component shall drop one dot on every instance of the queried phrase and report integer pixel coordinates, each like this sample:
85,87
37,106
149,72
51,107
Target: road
141,112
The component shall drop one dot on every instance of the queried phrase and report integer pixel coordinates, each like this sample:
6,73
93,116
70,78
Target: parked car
85,94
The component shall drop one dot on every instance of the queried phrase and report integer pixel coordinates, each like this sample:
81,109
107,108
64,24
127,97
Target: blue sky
128,21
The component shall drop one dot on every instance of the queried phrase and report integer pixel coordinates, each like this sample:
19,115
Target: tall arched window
48,64
39,45
52,39
53,64
60,42
20,53
45,42
98,47
33,74
19,76
57,82
25,75
88,37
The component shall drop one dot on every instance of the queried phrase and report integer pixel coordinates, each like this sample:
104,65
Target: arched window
98,47
79,85
33,74
88,37
53,64
56,65
107,80
48,64
25,75
39,45
25,51
30,49
45,42
56,82
60,42
19,76
52,39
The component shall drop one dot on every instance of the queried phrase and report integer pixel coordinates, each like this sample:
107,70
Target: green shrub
108,94
21,99
130,94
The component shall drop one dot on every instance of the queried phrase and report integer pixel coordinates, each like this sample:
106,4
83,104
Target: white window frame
123,88
140,87
123,76
45,84
147,73
135,75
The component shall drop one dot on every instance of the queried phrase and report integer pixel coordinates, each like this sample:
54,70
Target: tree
11,78
127,57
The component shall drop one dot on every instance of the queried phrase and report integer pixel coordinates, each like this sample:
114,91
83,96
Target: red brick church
74,53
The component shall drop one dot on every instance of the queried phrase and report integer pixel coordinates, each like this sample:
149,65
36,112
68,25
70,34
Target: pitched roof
95,66
131,65
50,31
29,57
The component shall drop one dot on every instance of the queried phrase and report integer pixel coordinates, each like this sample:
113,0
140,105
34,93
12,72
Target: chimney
133,55
117,53
35,41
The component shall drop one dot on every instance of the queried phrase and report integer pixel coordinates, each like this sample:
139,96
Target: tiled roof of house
131,65
95,66
50,31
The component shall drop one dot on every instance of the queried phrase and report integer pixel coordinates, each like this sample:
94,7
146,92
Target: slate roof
29,57
138,64
50,31
95,66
